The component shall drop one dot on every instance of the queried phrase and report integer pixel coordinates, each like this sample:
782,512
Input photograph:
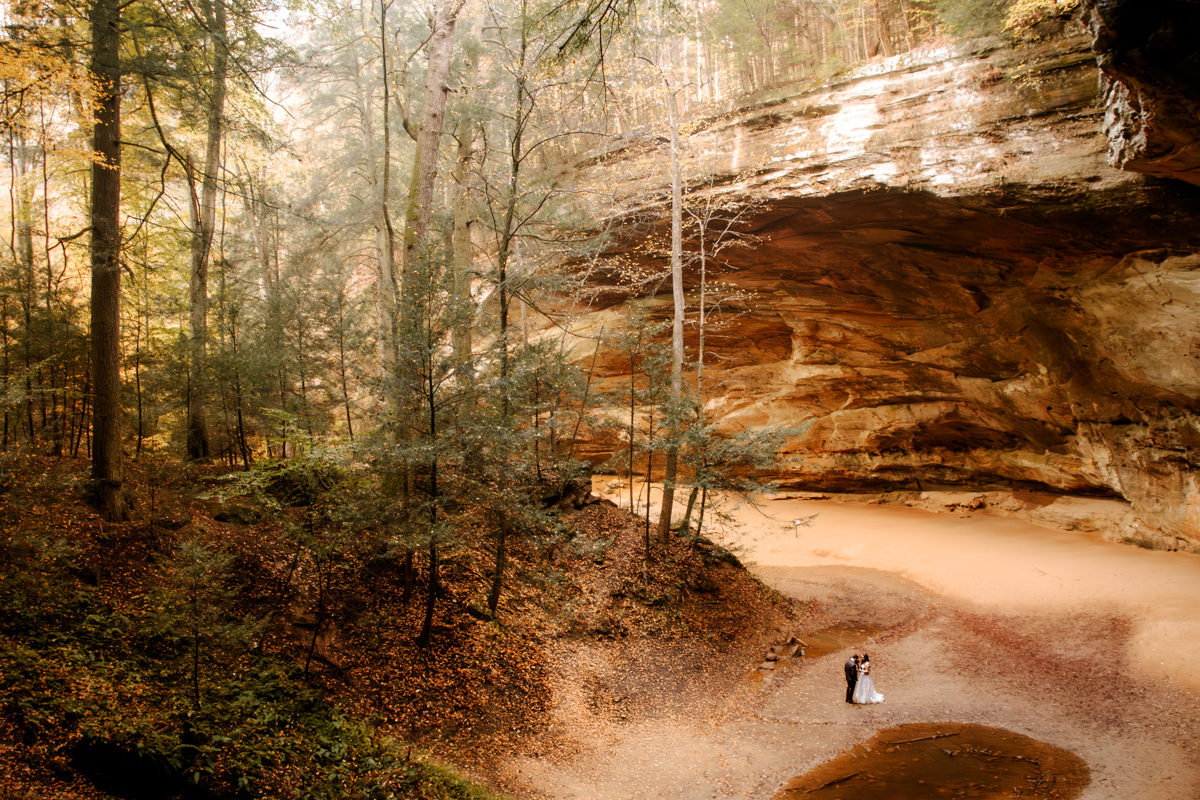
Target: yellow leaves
30,76
46,99
1024,15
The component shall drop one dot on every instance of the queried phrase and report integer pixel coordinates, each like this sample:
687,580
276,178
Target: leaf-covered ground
204,647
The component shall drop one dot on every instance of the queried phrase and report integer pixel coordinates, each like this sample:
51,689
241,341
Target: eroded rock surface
947,284
1150,62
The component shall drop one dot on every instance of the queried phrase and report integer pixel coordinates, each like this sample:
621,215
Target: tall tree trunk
425,638
503,254
388,303
141,315
516,154
5,387
108,468
463,253
303,369
884,31
204,216
501,563
22,247
419,209
633,429
255,197
232,320
673,423
82,429
243,445
703,218
649,477
686,525
341,345
281,371
414,269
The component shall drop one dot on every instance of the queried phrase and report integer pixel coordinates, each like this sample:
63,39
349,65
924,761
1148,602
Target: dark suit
851,669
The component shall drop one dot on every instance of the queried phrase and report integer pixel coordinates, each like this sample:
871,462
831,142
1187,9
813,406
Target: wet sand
962,762
1063,637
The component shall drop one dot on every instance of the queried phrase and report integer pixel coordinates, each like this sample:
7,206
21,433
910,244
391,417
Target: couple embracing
860,688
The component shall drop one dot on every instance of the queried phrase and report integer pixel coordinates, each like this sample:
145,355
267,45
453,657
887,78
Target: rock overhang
944,278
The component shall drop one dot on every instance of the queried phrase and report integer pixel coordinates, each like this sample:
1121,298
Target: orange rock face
941,283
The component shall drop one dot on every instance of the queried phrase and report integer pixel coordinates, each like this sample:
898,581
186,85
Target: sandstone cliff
949,285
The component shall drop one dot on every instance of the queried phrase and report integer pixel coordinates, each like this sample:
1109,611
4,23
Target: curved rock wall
948,285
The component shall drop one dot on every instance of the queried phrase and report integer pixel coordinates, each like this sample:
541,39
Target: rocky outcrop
1149,58
953,121
941,283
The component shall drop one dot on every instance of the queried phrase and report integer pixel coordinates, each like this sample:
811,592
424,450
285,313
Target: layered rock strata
941,282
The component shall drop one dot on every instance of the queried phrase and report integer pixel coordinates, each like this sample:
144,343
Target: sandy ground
1084,644
996,564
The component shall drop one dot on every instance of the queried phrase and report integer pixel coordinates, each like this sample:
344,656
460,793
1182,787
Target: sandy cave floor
1081,643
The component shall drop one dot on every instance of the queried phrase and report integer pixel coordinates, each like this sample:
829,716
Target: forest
284,304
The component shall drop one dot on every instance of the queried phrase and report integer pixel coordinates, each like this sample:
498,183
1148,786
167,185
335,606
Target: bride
864,689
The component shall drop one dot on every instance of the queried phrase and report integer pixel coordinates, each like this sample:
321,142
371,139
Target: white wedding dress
864,689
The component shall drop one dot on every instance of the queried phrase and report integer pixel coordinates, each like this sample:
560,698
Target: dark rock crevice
1150,59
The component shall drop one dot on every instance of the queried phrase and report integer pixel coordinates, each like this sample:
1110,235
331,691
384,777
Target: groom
851,670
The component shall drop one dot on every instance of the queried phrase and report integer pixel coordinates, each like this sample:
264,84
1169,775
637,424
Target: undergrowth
165,696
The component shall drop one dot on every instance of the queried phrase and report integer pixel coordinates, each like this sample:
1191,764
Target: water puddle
945,761
811,645
831,640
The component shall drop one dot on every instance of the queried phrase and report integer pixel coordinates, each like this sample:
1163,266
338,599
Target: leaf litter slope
484,689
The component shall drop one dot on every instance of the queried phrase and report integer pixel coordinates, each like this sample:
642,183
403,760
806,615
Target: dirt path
1055,635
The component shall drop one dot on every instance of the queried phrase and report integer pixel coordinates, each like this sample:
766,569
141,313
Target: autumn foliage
227,648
